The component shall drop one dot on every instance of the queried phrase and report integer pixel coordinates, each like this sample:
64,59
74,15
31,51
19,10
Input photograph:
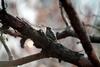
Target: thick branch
79,29
51,49
82,63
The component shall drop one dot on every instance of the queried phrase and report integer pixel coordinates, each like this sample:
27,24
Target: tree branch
62,14
6,48
80,31
50,48
71,33
22,60
82,63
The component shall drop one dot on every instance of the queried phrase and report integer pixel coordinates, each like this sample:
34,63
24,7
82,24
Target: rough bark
81,32
49,48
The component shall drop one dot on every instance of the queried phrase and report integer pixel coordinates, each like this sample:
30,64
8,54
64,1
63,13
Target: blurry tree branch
62,14
22,60
70,33
10,57
6,47
80,31
50,47
92,26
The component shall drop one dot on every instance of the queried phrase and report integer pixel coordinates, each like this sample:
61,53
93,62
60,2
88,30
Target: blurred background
43,13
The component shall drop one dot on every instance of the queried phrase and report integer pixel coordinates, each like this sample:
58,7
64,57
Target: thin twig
22,60
6,48
3,4
93,26
62,14
93,15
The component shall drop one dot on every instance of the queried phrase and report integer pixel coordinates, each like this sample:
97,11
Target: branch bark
22,60
50,48
71,33
80,31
